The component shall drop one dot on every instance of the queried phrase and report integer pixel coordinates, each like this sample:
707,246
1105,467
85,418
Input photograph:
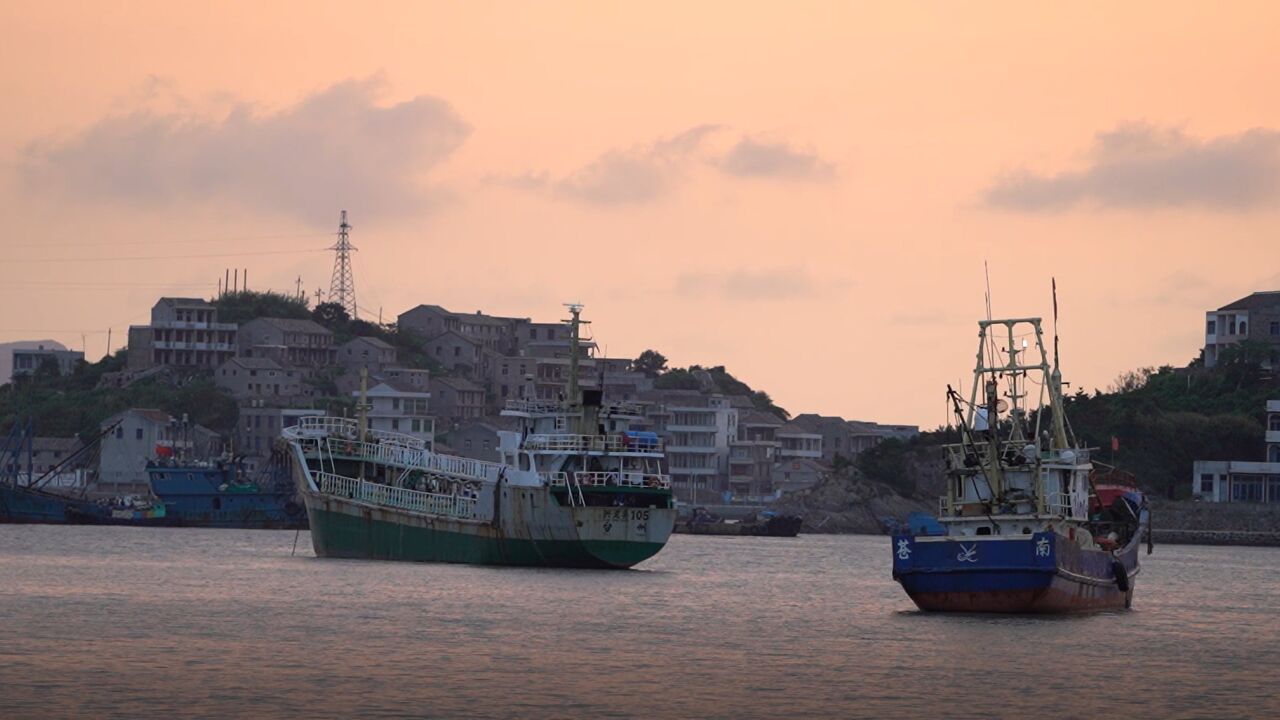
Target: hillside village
225,376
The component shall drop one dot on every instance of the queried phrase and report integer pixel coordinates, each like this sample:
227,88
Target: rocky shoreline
858,506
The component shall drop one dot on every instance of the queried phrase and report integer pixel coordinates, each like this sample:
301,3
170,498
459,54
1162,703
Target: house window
457,350
1275,329
1244,328
395,423
1206,483
467,443
138,433
1273,422
395,403
119,433
1246,489
1211,327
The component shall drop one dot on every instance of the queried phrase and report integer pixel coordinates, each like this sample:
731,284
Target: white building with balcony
1255,318
1243,481
402,409
184,333
696,430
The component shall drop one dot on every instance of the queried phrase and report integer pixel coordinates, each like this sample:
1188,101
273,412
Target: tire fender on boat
1121,574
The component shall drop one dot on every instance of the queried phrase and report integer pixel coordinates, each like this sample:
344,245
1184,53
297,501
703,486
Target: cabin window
984,530
1026,531
524,461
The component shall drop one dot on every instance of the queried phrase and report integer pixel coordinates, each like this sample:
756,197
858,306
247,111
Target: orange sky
805,194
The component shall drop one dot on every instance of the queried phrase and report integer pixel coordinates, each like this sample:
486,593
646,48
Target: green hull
555,537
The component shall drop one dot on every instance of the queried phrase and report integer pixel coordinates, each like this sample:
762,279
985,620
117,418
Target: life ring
1121,574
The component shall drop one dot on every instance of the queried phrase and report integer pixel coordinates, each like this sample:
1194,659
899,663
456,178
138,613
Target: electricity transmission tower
342,288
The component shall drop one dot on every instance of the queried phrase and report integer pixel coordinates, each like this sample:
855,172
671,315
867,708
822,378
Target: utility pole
342,288
301,295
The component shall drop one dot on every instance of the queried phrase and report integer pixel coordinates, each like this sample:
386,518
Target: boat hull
536,532
1040,573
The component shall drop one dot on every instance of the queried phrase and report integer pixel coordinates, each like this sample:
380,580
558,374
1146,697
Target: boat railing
623,478
593,443
536,407
416,459
607,478
1058,503
318,426
455,506
1017,450
623,408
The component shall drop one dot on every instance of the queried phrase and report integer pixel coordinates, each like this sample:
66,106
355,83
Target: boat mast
1055,383
574,400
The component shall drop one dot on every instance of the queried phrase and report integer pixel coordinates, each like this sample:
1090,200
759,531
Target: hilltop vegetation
76,405
695,377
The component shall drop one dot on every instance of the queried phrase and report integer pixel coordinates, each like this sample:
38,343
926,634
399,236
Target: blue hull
210,497
20,505
1040,573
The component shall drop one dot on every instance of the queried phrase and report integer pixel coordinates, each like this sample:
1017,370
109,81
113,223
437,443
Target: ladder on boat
573,486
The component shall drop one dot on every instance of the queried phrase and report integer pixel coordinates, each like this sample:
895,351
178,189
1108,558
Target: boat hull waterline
1045,573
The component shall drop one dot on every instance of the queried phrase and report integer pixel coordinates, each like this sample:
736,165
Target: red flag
1115,443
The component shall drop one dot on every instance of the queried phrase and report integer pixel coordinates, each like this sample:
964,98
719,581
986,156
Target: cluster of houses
279,369
719,446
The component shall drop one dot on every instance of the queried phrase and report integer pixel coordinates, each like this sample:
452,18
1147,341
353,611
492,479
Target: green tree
651,362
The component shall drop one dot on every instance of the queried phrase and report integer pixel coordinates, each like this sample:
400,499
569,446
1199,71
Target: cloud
1141,166
777,284
647,172
635,175
337,148
755,158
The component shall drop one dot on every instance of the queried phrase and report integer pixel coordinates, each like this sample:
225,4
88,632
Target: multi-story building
753,453
457,399
487,331
289,341
249,378
184,333
401,409
259,428
476,439
696,429
1243,481
1256,317
28,361
458,353
801,438
367,352
135,439
51,458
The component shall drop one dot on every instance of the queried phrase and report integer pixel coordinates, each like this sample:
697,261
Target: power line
164,257
205,241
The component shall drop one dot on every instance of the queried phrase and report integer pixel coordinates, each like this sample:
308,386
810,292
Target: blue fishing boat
219,494
1025,525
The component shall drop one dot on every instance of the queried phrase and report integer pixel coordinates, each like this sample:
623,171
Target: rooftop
371,340
1256,301
293,325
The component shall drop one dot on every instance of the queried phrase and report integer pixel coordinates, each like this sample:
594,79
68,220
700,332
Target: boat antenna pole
1055,381
362,407
574,401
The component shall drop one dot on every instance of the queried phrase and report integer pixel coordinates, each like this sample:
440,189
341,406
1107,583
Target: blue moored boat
218,494
1024,526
